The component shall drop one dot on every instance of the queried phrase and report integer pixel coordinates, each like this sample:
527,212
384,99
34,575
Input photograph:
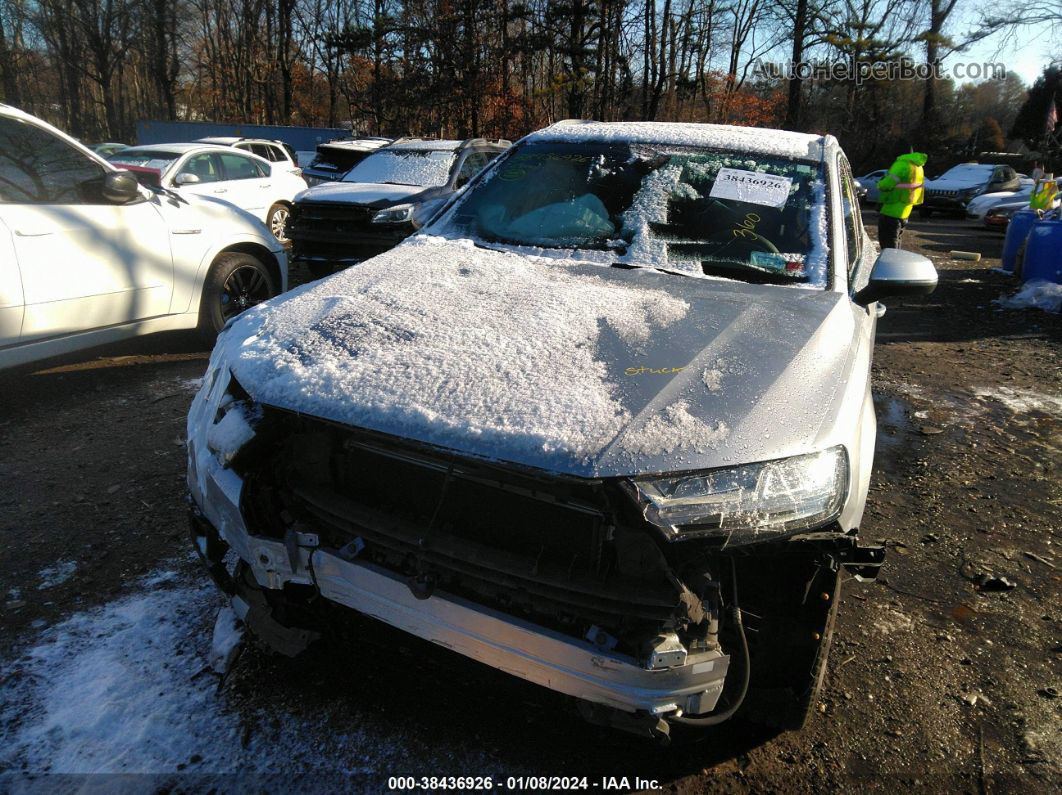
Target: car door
205,168
84,262
248,182
11,303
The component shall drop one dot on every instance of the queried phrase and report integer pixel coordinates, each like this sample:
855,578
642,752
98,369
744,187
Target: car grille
548,549
943,194
328,220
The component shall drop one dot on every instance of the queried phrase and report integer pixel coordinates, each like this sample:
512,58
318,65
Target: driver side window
853,222
474,163
36,167
203,166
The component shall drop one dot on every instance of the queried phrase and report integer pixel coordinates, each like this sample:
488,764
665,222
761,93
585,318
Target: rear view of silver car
605,424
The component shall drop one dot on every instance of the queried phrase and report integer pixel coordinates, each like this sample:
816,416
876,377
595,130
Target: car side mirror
120,187
898,273
186,179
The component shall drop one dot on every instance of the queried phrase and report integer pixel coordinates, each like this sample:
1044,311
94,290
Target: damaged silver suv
604,424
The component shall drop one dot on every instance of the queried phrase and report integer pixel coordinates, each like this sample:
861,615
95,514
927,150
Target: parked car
998,216
870,183
108,149
957,186
334,159
88,256
252,183
605,424
274,151
375,206
980,205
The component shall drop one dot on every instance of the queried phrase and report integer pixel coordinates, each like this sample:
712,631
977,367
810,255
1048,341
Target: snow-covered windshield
146,158
968,172
737,215
423,167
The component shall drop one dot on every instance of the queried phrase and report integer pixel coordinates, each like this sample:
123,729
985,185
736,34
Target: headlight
748,503
399,214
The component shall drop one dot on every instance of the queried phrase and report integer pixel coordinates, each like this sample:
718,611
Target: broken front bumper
537,654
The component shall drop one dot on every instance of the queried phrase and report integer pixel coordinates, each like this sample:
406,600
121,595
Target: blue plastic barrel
1043,254
1018,229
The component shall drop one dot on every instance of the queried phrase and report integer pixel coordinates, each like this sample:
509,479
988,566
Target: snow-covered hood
961,183
560,365
365,193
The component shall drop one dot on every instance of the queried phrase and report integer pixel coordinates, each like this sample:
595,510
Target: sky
1026,51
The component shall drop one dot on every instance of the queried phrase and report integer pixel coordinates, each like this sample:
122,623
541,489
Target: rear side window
262,150
235,166
36,167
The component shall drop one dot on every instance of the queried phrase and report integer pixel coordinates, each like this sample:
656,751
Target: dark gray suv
381,200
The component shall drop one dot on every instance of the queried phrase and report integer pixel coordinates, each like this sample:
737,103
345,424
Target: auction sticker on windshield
752,187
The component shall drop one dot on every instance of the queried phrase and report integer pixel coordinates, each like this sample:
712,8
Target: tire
924,212
235,282
276,220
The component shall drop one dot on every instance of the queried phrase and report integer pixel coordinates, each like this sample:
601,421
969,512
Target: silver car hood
563,366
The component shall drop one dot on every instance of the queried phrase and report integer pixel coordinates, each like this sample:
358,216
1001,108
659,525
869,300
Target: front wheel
925,212
277,221
235,282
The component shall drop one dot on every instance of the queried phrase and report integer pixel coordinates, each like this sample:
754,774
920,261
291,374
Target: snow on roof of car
709,136
426,143
179,149
224,140
447,323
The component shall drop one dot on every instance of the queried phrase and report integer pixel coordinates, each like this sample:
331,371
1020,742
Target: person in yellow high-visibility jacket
1044,194
899,191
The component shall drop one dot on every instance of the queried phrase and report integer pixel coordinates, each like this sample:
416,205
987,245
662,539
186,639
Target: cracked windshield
714,213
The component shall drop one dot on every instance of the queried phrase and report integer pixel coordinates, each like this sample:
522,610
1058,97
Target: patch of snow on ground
125,688
673,429
57,574
893,621
1035,295
1021,400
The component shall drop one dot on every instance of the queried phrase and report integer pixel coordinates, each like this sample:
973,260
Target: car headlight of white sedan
753,502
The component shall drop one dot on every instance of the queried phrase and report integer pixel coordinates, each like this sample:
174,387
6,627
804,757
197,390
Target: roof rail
486,141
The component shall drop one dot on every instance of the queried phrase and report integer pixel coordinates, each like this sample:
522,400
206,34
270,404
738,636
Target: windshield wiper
630,267
748,273
167,192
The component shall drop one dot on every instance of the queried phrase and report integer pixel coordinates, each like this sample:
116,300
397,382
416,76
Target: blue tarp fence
303,139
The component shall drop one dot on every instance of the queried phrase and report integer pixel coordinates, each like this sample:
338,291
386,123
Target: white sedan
250,182
89,256
980,205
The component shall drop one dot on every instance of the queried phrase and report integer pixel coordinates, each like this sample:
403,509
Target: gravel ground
936,680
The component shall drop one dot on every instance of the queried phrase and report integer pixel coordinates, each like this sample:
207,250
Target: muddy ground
936,681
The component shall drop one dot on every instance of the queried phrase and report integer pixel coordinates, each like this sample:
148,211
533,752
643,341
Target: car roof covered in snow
176,149
428,144
802,146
